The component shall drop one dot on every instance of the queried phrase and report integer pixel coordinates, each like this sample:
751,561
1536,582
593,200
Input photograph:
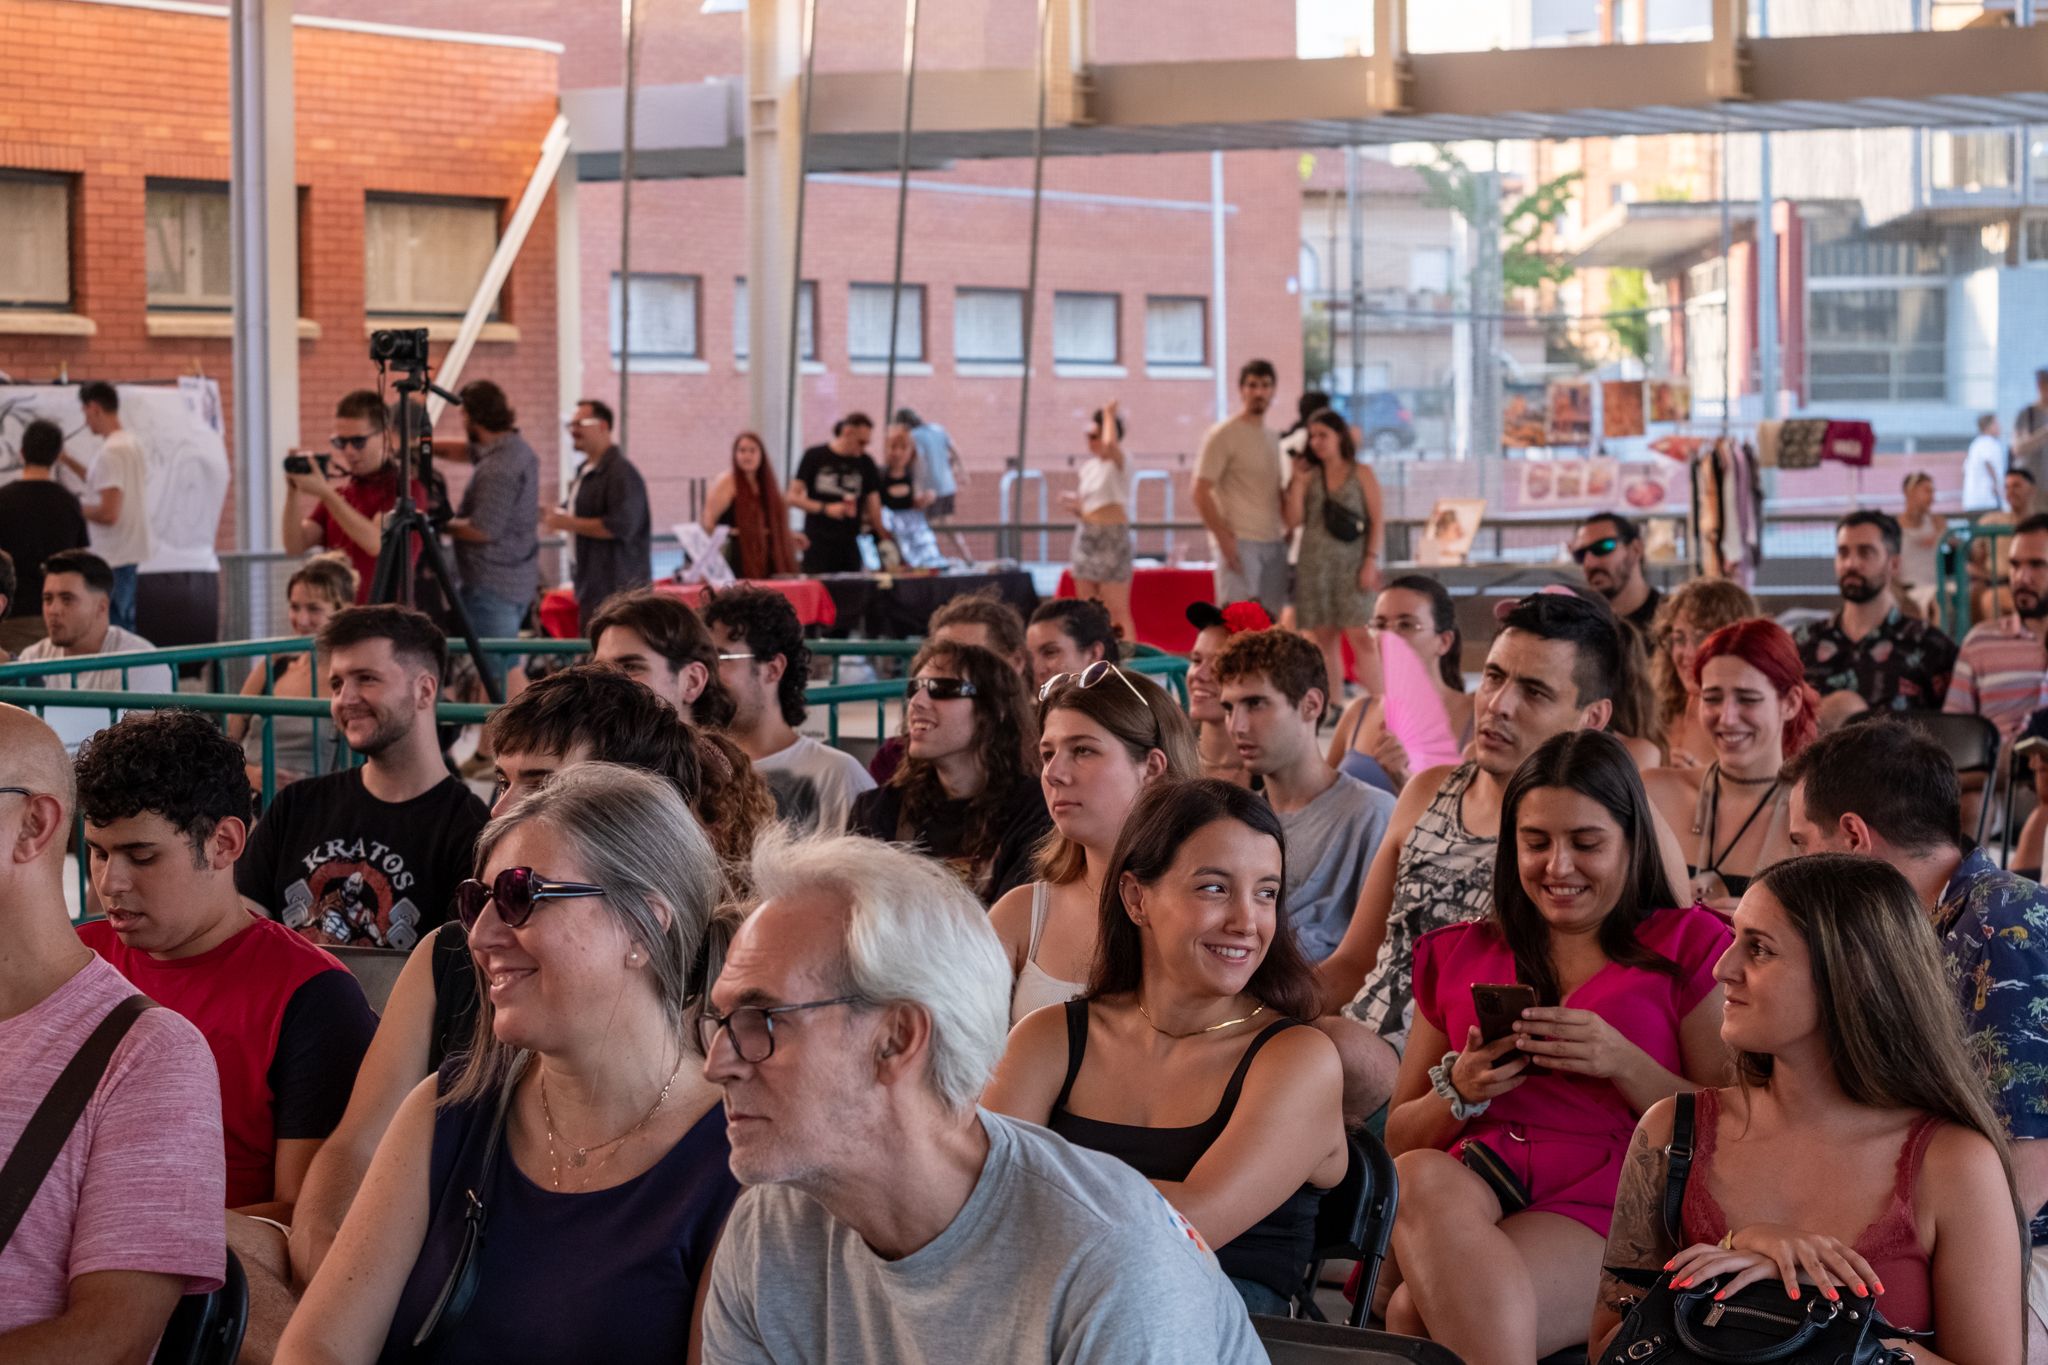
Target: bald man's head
32,757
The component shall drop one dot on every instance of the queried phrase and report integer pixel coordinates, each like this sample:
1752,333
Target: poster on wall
1570,412
1447,536
179,429
1522,417
1549,483
1670,400
1621,407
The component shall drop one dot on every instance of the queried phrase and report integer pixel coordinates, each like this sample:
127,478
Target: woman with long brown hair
1860,1153
967,790
746,499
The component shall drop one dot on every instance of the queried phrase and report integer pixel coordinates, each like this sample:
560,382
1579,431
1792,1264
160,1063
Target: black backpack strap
1678,1166
49,1128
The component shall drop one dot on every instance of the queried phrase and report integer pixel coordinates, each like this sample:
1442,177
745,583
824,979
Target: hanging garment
1800,443
1849,443
1767,438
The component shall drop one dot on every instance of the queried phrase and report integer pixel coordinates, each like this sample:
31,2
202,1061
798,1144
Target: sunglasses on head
1088,677
1604,546
348,442
939,689
516,891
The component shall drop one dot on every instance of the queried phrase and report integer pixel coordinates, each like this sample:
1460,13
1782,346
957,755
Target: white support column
1389,74
568,303
263,205
1219,310
774,184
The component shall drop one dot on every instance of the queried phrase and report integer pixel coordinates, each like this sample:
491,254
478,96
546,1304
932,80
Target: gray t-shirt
1059,1255
1330,843
814,785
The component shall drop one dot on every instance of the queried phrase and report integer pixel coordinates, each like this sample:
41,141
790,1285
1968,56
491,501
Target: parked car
1383,420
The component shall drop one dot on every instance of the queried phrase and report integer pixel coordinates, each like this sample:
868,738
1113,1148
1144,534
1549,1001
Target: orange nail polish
1833,1297
1793,1292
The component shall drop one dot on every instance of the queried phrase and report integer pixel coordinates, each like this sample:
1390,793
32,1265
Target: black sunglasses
517,891
348,442
939,689
1605,546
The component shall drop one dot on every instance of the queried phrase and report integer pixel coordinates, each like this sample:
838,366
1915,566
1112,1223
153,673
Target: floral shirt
1994,933
1902,665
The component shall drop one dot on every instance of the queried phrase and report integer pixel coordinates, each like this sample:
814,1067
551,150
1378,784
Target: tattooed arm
1636,1239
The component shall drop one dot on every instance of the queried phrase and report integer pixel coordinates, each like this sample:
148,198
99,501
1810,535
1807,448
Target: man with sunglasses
1275,691
1608,548
605,513
349,515
861,1011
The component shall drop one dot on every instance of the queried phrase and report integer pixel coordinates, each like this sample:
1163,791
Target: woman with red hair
1756,709
746,499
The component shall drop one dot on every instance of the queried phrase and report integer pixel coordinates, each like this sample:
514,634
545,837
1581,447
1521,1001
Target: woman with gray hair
577,1124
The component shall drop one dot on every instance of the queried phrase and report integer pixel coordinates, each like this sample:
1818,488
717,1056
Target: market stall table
814,604
1159,603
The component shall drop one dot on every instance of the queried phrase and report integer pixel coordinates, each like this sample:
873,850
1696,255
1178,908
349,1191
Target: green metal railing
1953,587
22,684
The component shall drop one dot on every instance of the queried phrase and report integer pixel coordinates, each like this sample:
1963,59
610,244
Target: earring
633,958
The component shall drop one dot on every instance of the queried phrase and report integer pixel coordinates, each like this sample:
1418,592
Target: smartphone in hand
1498,1007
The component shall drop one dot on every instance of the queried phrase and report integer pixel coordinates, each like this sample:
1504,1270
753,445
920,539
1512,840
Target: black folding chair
1293,1341
375,969
1354,1222
206,1329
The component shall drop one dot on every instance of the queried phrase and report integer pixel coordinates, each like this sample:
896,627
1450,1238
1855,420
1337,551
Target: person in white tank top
1102,554
1104,735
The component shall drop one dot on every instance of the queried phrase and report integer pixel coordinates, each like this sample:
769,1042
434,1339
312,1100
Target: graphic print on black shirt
341,867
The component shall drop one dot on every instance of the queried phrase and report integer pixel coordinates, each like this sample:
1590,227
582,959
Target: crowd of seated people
1079,1004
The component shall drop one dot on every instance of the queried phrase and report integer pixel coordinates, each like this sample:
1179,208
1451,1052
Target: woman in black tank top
1187,1059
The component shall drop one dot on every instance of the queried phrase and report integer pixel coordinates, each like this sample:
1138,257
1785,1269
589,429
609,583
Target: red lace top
1891,1243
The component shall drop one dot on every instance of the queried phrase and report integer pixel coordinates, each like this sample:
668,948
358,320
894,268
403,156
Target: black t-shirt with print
1020,816
341,867
828,476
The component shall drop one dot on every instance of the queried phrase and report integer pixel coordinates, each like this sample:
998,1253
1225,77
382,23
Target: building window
35,249
988,326
1176,331
806,320
867,323
1084,328
1835,246
426,257
1429,270
1972,162
188,246
1877,344
664,317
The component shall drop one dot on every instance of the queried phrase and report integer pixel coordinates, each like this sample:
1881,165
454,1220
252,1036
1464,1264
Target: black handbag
452,1305
1757,1325
1341,522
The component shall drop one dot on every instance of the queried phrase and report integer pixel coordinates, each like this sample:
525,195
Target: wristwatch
1440,1080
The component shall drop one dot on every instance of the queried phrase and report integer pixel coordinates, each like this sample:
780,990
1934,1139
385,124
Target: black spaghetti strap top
1274,1251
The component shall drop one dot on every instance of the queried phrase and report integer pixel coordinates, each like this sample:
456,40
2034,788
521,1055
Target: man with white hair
862,1009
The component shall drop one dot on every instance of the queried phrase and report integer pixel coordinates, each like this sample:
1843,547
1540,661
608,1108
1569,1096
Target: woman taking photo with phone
1104,736
1509,1150
1188,1058
1861,1151
1335,503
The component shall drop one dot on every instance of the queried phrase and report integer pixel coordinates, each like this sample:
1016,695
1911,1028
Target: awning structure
1960,79
1644,236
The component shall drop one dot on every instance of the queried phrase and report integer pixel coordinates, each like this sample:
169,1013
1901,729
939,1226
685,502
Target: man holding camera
349,515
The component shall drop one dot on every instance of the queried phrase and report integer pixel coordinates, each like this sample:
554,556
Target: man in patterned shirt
1888,791
1870,647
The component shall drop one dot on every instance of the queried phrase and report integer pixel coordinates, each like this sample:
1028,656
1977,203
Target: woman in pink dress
1510,1151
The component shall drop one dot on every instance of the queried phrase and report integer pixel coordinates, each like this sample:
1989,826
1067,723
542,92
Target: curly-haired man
167,804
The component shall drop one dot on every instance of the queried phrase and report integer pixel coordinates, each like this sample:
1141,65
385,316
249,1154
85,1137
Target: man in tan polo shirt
1237,494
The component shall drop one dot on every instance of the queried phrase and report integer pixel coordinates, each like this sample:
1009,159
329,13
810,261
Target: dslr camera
403,348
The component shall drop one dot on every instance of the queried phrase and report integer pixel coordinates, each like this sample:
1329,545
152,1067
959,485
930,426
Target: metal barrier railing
1952,604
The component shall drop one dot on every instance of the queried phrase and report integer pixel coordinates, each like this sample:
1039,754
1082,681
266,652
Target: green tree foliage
1524,265
1628,294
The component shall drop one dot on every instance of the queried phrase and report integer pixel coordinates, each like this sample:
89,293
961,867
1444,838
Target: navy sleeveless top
1275,1250
610,1275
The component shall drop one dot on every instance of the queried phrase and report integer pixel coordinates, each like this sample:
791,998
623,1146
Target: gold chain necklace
579,1157
1198,1032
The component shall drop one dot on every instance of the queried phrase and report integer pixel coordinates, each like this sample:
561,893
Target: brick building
114,162
1127,280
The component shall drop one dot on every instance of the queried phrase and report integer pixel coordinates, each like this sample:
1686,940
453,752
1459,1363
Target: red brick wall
374,113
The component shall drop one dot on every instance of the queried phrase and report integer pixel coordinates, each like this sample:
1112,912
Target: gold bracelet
1727,1242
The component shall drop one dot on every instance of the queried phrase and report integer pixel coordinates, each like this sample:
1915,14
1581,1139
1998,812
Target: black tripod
407,525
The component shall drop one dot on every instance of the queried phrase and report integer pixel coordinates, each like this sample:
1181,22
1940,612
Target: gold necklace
580,1156
1198,1032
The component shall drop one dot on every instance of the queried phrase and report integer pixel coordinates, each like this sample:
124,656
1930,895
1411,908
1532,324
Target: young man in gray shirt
861,1010
1275,689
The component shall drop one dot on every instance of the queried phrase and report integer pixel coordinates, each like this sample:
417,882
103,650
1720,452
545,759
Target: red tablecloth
813,604
1159,604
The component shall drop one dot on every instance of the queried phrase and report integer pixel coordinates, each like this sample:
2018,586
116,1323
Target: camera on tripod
403,348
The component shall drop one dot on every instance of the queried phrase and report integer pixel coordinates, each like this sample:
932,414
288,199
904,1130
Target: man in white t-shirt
1984,468
115,497
764,664
861,1010
77,598
1237,495
128,1216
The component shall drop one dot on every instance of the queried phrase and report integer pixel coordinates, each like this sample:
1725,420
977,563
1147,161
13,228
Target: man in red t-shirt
349,515
167,805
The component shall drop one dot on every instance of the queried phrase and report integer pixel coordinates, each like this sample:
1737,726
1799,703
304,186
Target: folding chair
376,970
1354,1222
206,1329
1293,1341
1972,744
